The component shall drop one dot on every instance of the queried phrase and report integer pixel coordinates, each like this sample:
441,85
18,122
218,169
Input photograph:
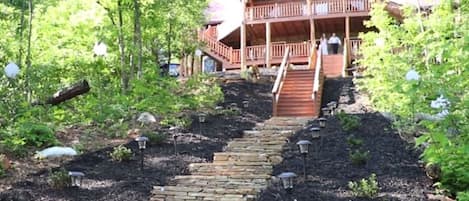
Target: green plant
156,138
36,134
463,196
366,187
2,168
354,142
359,157
121,153
348,122
59,179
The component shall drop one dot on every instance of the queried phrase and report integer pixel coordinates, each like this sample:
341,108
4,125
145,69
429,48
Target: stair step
230,168
235,156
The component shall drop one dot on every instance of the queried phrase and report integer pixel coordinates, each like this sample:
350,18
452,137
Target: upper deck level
261,11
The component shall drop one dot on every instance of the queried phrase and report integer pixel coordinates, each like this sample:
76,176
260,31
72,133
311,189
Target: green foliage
437,47
359,157
463,196
2,169
59,179
121,153
354,142
366,187
156,138
36,134
348,122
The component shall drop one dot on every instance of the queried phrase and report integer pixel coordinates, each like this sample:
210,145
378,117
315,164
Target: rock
54,152
5,162
146,118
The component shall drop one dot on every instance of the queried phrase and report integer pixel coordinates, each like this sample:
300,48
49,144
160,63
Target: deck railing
355,44
296,9
217,47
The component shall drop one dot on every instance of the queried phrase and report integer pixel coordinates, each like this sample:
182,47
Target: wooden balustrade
295,9
254,53
281,74
355,44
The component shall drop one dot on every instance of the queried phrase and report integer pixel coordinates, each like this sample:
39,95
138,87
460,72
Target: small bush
156,138
2,167
354,142
359,157
121,153
36,134
463,196
348,122
59,179
367,188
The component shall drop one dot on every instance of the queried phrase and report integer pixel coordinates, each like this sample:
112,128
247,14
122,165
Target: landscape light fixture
76,178
142,145
287,180
303,146
246,104
233,106
325,111
322,122
332,106
315,132
202,117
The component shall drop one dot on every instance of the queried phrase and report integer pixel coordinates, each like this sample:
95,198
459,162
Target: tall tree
138,37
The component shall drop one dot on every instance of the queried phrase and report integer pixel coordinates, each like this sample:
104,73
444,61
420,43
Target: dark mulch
109,180
329,168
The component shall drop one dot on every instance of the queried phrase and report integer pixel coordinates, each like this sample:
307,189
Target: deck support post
347,37
312,33
268,45
242,34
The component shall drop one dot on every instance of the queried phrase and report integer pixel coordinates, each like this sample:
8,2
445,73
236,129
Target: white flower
440,102
100,49
412,75
12,70
379,42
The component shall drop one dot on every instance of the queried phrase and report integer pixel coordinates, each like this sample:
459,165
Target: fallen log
67,93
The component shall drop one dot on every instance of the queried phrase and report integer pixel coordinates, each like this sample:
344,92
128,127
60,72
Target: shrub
59,179
121,153
2,167
156,138
36,134
359,157
463,196
367,188
354,142
348,122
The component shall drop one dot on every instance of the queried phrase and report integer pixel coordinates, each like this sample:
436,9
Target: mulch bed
329,168
109,180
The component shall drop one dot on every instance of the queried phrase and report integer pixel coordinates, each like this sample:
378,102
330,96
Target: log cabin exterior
269,26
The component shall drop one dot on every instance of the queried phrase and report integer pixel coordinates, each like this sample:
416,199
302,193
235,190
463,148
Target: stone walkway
239,173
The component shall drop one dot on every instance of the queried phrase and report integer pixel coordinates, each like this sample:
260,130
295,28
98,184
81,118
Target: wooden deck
297,11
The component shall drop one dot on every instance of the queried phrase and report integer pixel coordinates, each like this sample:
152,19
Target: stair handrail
317,73
281,74
218,47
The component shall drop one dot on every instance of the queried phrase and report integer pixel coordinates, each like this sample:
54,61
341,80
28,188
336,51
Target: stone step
236,156
230,168
180,193
260,141
258,133
260,126
247,181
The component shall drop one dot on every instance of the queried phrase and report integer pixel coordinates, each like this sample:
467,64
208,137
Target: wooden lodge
270,26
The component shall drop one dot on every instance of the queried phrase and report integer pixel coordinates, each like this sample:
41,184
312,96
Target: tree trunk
28,57
138,38
20,51
124,76
169,41
69,93
182,67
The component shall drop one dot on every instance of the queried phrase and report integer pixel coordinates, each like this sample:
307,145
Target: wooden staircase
333,65
297,93
295,96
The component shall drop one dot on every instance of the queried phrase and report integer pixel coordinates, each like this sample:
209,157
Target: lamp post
322,122
76,178
287,181
303,146
246,104
325,111
332,106
315,135
202,118
142,145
